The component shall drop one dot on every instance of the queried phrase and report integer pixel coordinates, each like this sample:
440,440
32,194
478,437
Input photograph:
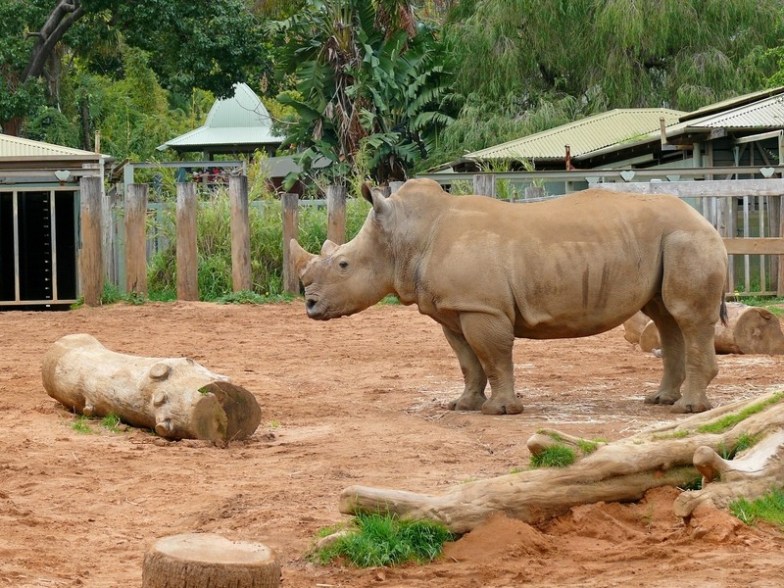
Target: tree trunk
749,330
176,397
206,560
673,455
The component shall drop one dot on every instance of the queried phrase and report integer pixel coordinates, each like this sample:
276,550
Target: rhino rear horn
299,256
376,197
328,247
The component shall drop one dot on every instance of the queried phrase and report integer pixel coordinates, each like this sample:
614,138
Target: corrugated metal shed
11,146
240,123
767,113
583,136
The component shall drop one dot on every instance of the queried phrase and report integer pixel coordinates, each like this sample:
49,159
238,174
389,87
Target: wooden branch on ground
749,330
618,471
177,397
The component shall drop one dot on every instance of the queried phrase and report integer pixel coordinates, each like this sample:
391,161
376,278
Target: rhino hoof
683,406
660,398
462,404
513,407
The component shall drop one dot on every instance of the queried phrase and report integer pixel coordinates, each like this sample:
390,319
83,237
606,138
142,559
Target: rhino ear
377,198
328,247
299,256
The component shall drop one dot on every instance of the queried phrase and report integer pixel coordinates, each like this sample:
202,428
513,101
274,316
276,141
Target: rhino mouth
316,310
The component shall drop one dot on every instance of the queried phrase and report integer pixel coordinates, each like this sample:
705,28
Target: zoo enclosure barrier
747,212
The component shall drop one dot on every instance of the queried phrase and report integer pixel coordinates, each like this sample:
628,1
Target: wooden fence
748,213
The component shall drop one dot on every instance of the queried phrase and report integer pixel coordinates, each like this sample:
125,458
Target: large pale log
749,330
206,560
176,397
619,471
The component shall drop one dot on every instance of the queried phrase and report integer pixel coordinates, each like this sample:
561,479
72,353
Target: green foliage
367,79
266,253
730,420
386,541
769,508
111,422
555,456
82,426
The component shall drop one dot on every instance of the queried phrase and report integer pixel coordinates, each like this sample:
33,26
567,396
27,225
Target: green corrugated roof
583,136
11,146
241,120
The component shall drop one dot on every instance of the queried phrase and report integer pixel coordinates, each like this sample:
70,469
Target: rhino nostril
310,303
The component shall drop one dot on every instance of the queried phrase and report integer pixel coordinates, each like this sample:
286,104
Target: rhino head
348,278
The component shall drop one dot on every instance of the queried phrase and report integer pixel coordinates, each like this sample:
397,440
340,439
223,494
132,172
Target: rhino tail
723,312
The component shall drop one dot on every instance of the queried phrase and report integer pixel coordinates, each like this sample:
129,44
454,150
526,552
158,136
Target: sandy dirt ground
358,400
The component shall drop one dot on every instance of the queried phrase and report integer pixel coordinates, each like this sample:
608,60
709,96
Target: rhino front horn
299,256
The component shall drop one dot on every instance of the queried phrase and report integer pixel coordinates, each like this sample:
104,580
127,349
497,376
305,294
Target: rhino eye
343,264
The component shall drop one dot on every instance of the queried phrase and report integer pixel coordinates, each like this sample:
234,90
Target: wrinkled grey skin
490,271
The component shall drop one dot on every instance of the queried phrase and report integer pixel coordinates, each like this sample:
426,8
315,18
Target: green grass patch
587,447
385,540
557,456
769,508
772,305
730,420
82,425
111,422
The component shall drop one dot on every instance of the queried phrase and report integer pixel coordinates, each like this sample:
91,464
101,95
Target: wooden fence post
484,184
91,252
290,231
187,258
136,239
336,213
240,233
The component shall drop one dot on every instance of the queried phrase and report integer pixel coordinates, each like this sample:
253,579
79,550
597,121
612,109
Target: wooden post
91,252
136,239
336,213
240,233
290,231
780,284
187,258
484,184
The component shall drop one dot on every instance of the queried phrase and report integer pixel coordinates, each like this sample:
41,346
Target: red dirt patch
351,401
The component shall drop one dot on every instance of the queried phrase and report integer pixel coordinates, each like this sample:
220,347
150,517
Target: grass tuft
111,422
385,540
82,425
769,508
730,420
556,456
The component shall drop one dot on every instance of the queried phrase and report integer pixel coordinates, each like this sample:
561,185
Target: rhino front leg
473,396
491,337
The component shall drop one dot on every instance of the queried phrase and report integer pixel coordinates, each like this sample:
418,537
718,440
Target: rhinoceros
490,271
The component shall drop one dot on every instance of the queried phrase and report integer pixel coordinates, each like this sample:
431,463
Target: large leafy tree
554,60
370,86
209,45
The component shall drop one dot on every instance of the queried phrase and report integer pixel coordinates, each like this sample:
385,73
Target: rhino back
570,267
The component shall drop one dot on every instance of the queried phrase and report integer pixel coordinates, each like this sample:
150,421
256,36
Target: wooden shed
39,220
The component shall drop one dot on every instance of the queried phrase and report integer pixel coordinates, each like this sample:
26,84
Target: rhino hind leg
491,339
701,367
473,396
673,354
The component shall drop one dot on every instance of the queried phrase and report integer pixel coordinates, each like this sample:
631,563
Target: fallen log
176,397
620,471
749,330
206,560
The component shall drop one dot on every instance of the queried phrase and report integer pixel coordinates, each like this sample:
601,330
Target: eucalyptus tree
526,63
369,86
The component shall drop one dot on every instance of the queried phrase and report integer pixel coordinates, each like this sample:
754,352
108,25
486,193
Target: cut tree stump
749,330
206,560
672,455
176,397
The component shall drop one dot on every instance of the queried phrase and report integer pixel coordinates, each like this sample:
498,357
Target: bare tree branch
62,18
